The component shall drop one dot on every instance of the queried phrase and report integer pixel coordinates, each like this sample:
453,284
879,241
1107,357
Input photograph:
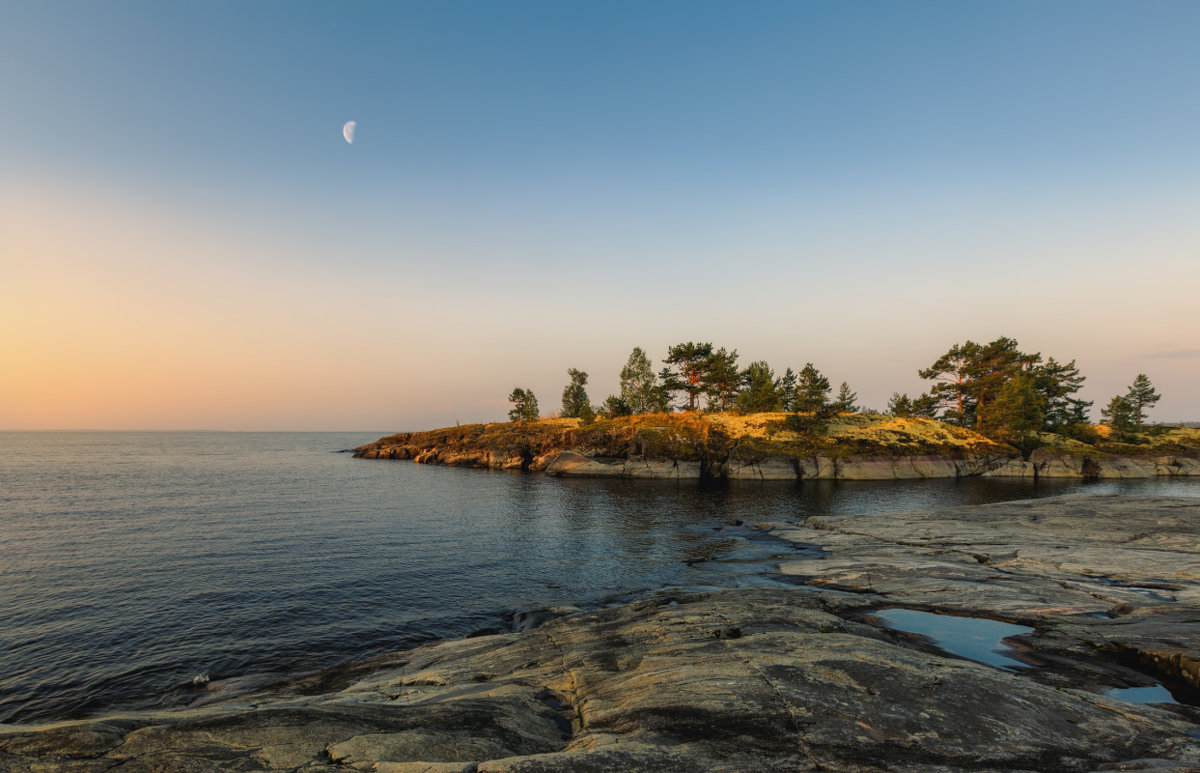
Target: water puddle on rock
974,638
1155,694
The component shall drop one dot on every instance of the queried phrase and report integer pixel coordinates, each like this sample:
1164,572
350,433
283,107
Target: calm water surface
132,562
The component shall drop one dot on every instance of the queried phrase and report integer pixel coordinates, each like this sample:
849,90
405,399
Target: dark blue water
132,562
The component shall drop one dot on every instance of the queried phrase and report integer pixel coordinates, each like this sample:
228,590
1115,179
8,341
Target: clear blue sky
186,238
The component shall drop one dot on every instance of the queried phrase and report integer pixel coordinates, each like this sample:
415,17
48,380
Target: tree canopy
995,388
761,392
640,389
722,380
1141,398
970,376
525,406
812,390
575,400
1118,415
684,371
1016,414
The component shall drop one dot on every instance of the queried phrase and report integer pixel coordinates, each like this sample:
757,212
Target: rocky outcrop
760,447
1044,464
1096,573
1041,464
731,681
572,464
762,679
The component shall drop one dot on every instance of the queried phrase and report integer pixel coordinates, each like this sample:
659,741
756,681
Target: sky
188,242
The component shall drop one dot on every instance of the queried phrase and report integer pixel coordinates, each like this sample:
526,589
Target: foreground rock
779,679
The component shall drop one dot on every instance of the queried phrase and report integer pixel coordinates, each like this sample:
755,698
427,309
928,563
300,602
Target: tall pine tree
762,393
1141,398
1118,415
787,389
722,379
685,368
845,400
812,391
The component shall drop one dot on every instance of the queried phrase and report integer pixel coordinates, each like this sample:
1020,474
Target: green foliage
684,370
812,391
762,393
722,380
1016,413
639,388
787,389
925,407
587,415
525,406
1057,383
970,376
812,423
900,405
1083,432
1141,397
615,406
1119,416
574,396
845,400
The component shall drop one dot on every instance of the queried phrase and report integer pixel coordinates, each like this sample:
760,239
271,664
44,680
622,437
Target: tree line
994,388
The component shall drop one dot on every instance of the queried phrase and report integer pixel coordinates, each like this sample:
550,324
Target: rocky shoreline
803,675
1040,464
691,446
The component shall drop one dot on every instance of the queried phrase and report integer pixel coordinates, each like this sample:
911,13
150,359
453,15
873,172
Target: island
767,446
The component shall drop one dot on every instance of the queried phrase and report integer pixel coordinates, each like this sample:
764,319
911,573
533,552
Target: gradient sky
186,241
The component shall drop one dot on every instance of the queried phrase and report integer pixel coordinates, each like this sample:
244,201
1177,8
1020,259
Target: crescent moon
348,131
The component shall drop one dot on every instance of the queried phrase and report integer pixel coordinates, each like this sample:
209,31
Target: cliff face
755,447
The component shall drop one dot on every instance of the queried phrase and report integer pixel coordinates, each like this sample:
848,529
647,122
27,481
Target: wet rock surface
771,679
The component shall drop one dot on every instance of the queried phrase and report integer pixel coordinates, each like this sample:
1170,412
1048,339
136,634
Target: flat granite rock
756,679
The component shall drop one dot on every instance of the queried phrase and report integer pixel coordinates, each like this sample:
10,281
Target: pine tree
574,396
812,391
1057,383
1141,397
1119,416
615,405
845,400
1015,414
722,379
970,375
787,389
762,392
900,405
525,406
925,406
685,369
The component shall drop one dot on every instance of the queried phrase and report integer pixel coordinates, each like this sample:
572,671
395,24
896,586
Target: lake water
131,563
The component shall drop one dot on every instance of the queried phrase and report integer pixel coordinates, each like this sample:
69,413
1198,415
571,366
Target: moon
348,131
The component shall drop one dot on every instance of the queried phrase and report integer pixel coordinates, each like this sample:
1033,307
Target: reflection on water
134,561
1155,694
974,638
